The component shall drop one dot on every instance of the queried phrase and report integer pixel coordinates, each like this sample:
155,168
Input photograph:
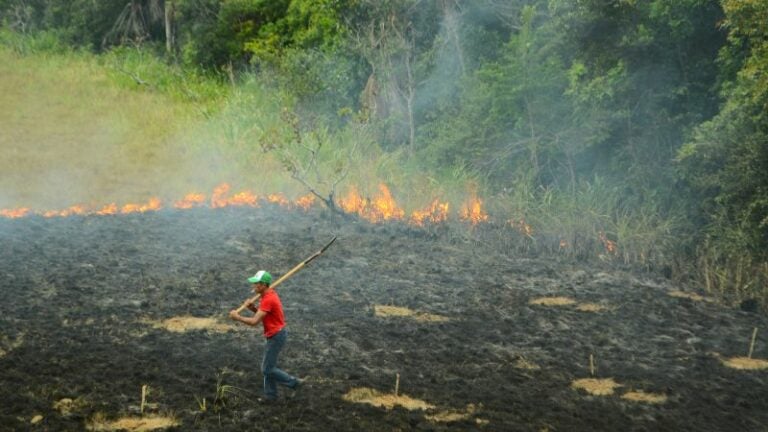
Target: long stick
752,344
251,300
144,391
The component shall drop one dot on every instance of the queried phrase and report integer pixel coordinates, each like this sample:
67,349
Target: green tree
82,23
303,53
726,161
394,38
512,122
135,22
215,33
642,75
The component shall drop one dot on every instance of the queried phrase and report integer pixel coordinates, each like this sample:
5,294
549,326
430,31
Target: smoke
70,136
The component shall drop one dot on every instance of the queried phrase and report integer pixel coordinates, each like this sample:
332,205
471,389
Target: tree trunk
409,97
170,42
451,22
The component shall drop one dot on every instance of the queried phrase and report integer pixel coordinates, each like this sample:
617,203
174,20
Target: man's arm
252,321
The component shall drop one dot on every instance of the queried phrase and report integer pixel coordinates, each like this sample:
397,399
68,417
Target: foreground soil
80,296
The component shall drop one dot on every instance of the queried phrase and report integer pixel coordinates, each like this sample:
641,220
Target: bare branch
301,159
135,77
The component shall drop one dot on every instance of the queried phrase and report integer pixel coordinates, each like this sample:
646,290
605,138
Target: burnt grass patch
78,293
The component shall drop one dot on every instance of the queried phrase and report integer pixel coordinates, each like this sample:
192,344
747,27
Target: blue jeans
272,374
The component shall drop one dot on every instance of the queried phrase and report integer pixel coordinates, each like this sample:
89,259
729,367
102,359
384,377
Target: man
270,314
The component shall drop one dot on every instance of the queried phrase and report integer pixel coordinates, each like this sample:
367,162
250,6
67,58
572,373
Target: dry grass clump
385,400
7,344
690,296
391,400
132,424
553,301
67,406
641,396
397,311
746,363
590,307
567,301
182,324
448,416
523,363
452,415
596,386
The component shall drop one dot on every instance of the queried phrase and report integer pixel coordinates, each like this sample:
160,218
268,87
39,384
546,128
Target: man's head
261,280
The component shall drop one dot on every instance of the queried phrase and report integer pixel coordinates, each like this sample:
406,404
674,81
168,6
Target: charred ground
77,294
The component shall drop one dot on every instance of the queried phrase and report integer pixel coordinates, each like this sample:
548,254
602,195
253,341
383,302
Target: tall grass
139,68
729,274
70,135
588,222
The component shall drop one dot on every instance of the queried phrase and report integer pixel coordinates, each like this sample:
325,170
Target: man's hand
234,315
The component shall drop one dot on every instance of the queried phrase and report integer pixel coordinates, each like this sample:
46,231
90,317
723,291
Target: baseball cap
261,276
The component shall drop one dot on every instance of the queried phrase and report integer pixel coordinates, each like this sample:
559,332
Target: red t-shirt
274,321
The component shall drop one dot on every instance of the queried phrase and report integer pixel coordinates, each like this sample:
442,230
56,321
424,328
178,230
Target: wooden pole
592,365
143,397
397,384
290,273
251,300
752,344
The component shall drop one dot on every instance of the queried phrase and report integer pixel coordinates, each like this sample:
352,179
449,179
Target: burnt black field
78,293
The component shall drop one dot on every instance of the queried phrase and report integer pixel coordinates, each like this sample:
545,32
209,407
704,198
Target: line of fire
380,208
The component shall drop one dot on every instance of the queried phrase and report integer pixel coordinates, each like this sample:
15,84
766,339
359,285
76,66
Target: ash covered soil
79,295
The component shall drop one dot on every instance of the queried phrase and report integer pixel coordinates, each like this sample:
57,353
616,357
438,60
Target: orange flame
610,245
521,227
436,212
385,207
108,209
278,199
381,208
219,198
353,202
153,204
73,210
305,202
190,200
14,213
472,211
245,198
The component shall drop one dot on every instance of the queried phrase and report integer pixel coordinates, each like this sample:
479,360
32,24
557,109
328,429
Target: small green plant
226,395
202,406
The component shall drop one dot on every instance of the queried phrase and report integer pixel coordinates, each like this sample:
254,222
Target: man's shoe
295,389
299,383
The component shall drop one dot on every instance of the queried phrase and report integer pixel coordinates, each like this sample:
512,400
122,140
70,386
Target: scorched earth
119,323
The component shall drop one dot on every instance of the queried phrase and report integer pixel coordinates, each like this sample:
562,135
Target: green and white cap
261,276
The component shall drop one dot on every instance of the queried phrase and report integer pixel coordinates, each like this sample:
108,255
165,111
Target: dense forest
639,124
